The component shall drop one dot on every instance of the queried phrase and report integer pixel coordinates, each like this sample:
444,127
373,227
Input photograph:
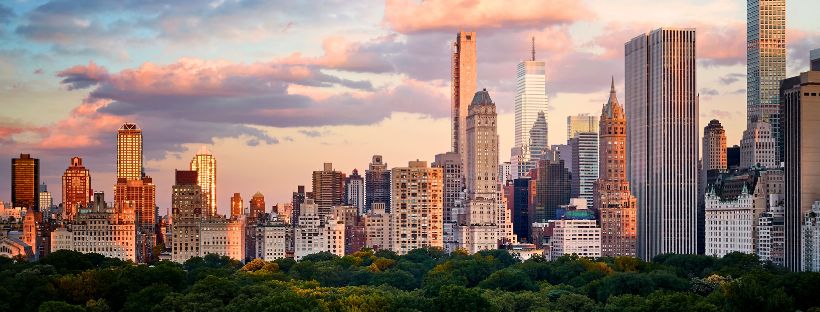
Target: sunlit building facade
25,182
612,197
463,85
328,188
204,164
76,188
765,61
531,108
416,216
662,139
129,152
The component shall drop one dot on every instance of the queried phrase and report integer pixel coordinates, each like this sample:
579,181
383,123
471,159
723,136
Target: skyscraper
76,188
187,202
613,199
463,86
553,187
204,164
328,189
662,136
237,206
765,60
452,195
713,162
297,200
531,107
581,123
584,165
46,200
25,181
377,184
801,121
758,147
256,209
417,207
481,172
129,152
140,197
354,191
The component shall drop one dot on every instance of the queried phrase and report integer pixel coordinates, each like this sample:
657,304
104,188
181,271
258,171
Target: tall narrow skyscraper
76,188
613,199
480,230
452,195
662,139
530,105
25,182
204,164
765,60
463,85
584,165
129,152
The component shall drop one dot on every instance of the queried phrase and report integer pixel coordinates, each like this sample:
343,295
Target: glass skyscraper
765,61
530,102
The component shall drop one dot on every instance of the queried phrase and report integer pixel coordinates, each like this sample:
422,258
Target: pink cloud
722,44
343,54
408,16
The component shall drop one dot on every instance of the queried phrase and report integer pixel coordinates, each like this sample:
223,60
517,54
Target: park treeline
423,280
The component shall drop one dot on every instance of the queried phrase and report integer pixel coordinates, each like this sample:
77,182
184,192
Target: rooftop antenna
533,48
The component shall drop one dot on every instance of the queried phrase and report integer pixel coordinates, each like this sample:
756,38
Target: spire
533,48
612,86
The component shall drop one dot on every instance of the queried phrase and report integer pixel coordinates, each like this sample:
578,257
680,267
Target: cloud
343,54
732,78
311,133
410,16
81,77
799,43
6,14
709,92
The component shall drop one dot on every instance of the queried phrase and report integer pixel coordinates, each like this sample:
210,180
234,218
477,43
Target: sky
276,88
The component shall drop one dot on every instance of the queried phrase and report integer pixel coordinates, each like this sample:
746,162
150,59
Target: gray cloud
732,78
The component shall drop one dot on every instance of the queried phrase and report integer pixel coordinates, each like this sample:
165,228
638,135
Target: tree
572,302
508,279
459,298
59,306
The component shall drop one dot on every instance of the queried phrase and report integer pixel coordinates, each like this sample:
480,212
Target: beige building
315,233
129,152
273,239
186,205
224,237
99,229
377,228
416,215
758,147
575,237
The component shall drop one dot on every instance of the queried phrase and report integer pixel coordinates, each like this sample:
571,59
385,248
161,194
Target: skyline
243,143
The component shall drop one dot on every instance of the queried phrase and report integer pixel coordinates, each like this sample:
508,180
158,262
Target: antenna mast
533,48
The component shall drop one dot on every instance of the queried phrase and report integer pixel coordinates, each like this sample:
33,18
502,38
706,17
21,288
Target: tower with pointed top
530,104
612,197
204,164
479,227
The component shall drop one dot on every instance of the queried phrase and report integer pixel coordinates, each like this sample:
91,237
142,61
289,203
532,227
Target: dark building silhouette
377,184
552,187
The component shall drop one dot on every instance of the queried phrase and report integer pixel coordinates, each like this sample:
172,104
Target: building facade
76,190
765,60
328,188
464,70
662,139
204,164
25,182
758,148
377,183
354,191
531,107
584,164
801,121
729,224
416,216
613,200
129,152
